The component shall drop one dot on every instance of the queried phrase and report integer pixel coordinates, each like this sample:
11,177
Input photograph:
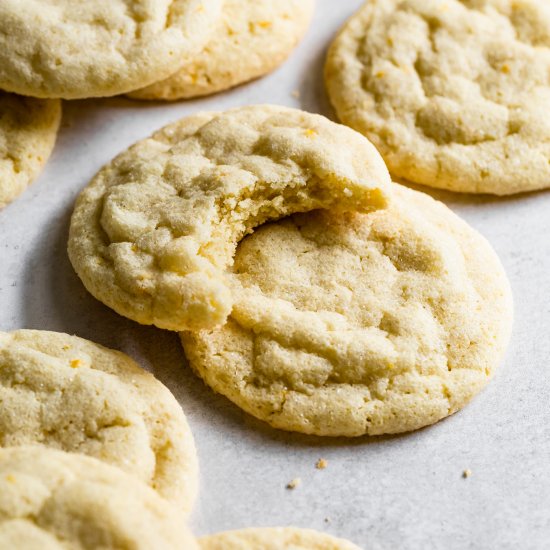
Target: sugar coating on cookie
350,324
52,500
28,129
67,49
67,393
452,93
274,538
154,232
252,38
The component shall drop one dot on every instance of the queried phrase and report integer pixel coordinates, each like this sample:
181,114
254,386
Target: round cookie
154,232
253,38
51,500
274,538
45,45
351,324
28,129
452,93
64,392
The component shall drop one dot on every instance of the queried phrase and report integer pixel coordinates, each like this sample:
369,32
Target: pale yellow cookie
454,94
67,49
252,39
274,538
28,129
64,392
350,324
154,232
52,500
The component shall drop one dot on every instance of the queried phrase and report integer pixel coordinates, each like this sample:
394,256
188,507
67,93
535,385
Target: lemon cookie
52,500
348,324
253,38
28,129
452,93
64,392
153,233
67,49
274,538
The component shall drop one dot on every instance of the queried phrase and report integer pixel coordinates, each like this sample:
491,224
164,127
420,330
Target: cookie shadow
79,114
77,107
313,93
471,199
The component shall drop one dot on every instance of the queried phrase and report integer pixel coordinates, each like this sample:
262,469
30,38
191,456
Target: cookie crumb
466,473
294,483
296,94
321,464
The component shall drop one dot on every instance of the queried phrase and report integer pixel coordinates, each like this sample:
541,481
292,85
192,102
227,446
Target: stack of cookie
95,451
149,50
369,309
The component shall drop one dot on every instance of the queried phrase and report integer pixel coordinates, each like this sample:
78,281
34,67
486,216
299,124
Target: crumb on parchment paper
466,473
321,464
294,483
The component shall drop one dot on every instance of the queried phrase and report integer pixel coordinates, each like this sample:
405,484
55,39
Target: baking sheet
395,493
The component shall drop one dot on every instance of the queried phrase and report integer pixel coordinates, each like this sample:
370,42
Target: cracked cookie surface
52,500
45,45
64,392
347,324
28,130
154,233
452,93
274,538
253,37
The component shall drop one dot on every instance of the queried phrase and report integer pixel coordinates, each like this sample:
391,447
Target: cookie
452,93
253,38
64,392
63,49
28,129
350,324
52,500
154,232
274,538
